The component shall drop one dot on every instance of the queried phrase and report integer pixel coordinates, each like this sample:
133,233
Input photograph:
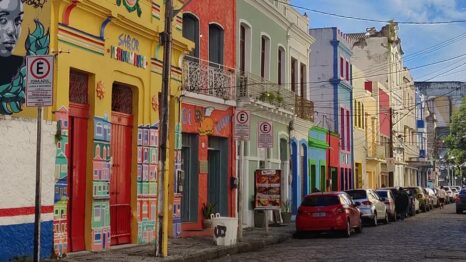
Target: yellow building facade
108,79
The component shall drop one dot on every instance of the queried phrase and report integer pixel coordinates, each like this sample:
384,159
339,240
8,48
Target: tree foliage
456,140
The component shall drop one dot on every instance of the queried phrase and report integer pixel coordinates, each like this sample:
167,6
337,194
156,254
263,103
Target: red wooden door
120,182
77,175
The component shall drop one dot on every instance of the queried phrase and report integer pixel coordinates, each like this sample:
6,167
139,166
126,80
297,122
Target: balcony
207,78
304,108
255,88
375,151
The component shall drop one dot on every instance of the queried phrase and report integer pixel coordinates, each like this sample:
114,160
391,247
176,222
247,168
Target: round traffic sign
40,68
265,127
242,117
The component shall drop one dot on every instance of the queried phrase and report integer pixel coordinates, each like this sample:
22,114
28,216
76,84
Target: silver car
369,204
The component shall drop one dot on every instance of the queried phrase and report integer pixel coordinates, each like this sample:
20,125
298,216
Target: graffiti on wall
101,173
206,120
60,236
147,159
12,66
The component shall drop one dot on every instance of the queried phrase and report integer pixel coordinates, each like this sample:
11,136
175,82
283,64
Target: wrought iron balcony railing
252,87
207,78
304,108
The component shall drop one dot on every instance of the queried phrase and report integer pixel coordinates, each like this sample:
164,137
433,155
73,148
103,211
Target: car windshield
319,201
357,194
382,193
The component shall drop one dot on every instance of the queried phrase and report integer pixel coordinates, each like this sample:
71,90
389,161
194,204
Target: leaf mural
131,6
12,95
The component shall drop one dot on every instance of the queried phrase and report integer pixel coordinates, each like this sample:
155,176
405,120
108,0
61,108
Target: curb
242,247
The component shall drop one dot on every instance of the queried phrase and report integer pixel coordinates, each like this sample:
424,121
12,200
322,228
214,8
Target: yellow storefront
108,82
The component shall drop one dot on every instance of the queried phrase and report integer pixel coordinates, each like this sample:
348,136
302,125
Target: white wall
18,165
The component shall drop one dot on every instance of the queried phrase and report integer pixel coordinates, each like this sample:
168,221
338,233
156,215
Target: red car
328,211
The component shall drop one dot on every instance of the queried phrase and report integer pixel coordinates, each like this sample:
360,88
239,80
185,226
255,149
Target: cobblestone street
438,235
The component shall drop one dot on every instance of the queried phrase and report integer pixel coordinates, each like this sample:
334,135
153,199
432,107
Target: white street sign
264,134
39,81
242,124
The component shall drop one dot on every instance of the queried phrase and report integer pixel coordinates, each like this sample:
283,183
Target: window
191,31
347,71
265,50
303,80
245,47
281,65
294,74
342,64
348,145
216,44
342,128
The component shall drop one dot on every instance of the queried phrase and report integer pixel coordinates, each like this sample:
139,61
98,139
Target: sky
422,44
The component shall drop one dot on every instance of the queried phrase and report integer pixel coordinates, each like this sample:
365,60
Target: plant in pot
207,210
286,211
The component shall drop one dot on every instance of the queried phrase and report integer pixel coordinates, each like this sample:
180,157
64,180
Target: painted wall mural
12,66
147,159
206,120
60,236
131,5
178,183
101,184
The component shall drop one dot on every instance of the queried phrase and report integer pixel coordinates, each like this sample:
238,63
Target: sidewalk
191,249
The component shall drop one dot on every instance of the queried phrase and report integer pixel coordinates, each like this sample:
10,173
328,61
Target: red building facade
333,160
208,104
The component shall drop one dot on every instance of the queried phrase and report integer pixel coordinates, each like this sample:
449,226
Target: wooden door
120,182
77,175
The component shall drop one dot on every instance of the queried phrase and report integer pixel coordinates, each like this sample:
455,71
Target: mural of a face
11,18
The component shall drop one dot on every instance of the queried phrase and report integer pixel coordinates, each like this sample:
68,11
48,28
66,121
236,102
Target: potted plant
207,210
286,211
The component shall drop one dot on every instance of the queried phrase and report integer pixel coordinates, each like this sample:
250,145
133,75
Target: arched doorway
121,146
295,183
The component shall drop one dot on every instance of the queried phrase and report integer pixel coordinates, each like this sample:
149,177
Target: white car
369,204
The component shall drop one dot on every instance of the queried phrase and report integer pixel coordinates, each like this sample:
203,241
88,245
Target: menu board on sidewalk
267,189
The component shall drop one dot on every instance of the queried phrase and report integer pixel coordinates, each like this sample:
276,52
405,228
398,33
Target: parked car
433,199
449,193
418,192
461,201
368,202
455,192
329,211
387,197
413,204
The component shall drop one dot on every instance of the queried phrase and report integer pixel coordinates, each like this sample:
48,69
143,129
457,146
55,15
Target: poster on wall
267,189
23,32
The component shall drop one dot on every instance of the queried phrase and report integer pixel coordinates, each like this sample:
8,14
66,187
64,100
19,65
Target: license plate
318,214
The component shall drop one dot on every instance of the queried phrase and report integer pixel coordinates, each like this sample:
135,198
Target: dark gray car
461,201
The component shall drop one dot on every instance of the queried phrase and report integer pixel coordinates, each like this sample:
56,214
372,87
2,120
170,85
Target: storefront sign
128,57
128,42
267,189
264,134
242,125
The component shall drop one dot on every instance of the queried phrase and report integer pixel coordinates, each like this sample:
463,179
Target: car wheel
347,232
359,228
374,222
386,220
459,211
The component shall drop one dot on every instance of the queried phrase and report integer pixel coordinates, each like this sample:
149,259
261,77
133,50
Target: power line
371,19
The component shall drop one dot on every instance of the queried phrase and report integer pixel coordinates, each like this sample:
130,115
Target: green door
323,179
313,177
190,165
217,186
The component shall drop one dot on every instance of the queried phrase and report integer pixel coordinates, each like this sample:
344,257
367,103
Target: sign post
39,93
242,130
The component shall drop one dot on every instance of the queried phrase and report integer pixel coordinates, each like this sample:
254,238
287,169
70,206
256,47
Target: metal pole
166,39
36,256
240,191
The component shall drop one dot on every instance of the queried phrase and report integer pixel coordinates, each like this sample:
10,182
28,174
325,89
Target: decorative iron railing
253,87
304,108
207,78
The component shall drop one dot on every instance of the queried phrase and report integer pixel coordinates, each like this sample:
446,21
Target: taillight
387,202
367,203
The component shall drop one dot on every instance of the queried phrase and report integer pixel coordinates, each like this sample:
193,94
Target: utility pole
161,248
166,40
